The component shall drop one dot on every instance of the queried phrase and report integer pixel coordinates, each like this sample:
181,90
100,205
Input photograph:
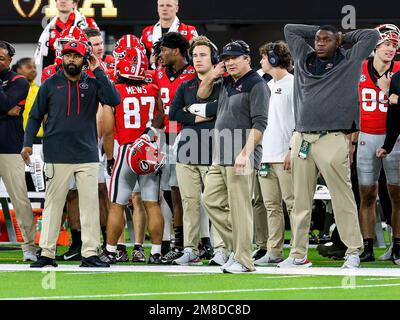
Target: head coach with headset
13,92
242,114
70,147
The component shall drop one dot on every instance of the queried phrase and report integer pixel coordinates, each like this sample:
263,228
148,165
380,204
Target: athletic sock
368,245
111,249
206,241
165,247
76,238
155,248
396,246
104,234
179,237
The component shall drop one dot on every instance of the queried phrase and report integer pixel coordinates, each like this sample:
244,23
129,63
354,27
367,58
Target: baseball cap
75,46
235,48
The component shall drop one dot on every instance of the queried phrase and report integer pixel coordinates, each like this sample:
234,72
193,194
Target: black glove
110,166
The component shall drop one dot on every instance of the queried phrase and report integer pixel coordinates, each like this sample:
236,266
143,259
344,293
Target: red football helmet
69,34
133,66
388,32
124,44
143,157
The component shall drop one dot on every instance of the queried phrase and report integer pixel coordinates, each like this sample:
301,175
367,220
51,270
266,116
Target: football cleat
155,259
108,257
174,254
138,255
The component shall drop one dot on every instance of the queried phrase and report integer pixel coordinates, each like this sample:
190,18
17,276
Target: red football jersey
136,111
168,84
189,32
373,101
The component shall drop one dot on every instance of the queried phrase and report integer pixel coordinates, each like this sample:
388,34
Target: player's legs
139,216
368,168
260,221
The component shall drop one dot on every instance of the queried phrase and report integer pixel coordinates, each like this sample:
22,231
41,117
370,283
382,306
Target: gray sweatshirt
242,106
328,101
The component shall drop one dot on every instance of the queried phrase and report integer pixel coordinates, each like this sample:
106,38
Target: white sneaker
236,267
387,255
219,258
267,259
295,263
30,256
352,261
230,261
189,258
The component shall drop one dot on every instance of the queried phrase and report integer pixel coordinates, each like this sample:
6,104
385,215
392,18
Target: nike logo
71,256
196,111
182,77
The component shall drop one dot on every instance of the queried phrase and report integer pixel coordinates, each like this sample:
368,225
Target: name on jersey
136,90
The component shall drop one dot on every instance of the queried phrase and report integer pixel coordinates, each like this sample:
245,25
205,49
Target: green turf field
82,284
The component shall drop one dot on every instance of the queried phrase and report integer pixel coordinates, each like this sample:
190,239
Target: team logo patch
329,66
239,88
73,45
84,86
362,143
184,32
363,78
144,166
160,75
278,91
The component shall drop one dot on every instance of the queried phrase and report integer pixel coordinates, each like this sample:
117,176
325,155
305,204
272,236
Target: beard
72,69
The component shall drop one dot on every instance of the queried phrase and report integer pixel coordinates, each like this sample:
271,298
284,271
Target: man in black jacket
13,92
194,155
70,98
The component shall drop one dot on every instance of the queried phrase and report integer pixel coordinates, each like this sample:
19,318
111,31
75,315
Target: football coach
70,100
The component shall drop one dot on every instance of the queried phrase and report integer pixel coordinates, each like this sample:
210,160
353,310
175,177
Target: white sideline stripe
282,277
378,279
189,274
146,294
316,271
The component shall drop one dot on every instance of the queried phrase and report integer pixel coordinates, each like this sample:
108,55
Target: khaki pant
275,187
191,179
12,172
260,218
328,155
227,197
59,176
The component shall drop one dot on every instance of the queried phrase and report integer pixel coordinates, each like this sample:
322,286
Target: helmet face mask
389,32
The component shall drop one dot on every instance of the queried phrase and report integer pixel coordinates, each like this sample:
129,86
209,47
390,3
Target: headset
10,48
214,52
273,58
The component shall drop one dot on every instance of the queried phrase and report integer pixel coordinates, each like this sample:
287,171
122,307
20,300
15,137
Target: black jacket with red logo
70,134
14,89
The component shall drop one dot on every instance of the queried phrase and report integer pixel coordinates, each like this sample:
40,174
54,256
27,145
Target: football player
175,70
373,89
139,109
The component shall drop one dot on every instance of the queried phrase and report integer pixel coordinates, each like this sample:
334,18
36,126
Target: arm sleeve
39,109
107,93
17,92
259,105
296,35
393,114
178,103
364,42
